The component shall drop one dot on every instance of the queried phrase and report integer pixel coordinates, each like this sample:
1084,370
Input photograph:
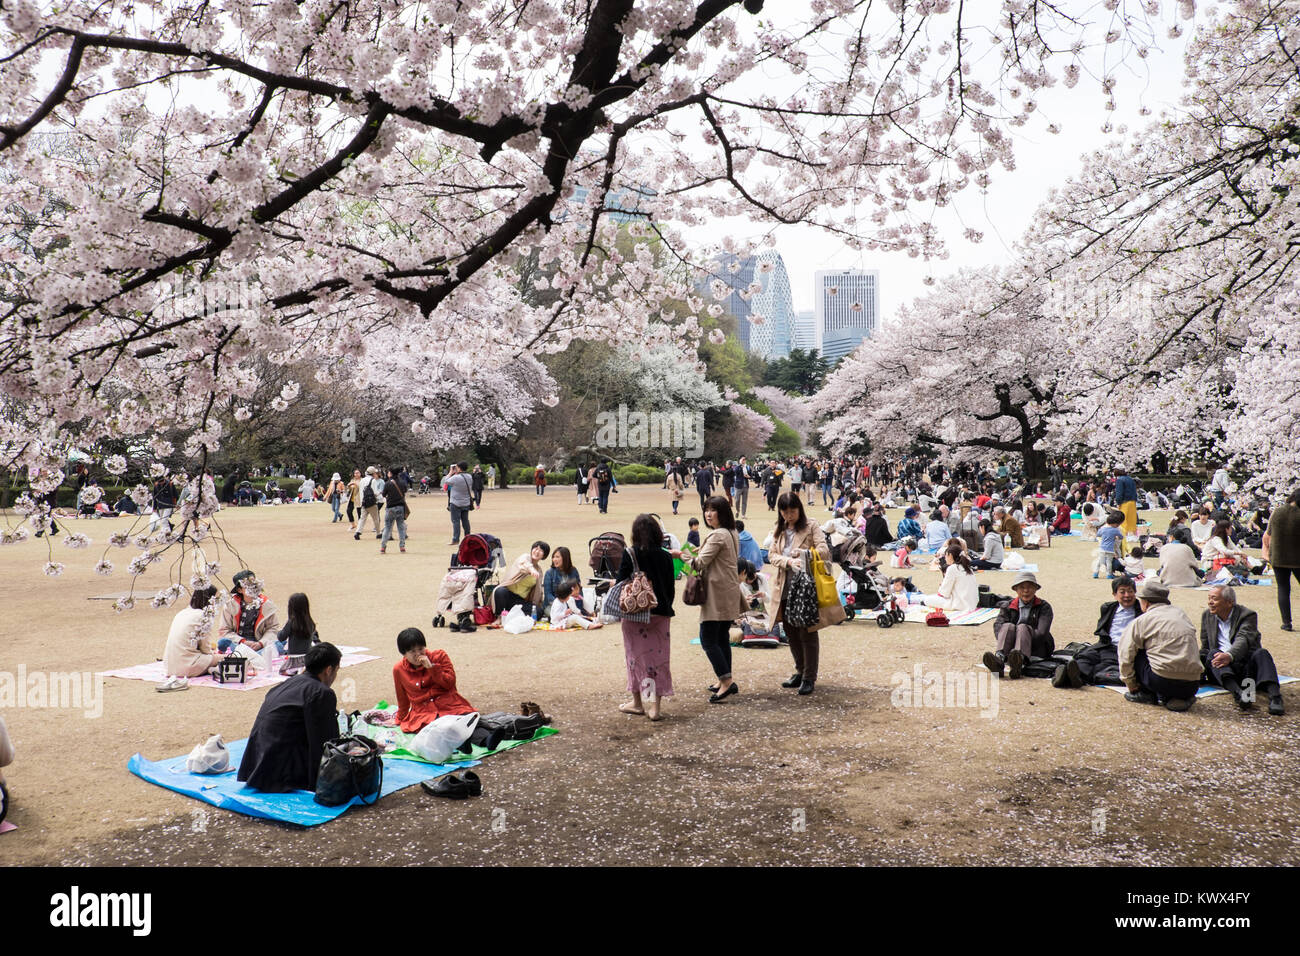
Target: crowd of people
962,520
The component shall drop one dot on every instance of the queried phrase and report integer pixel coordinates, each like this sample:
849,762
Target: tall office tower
847,306
805,332
772,337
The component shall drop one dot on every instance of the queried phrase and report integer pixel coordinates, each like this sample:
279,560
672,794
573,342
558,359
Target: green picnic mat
400,740
401,753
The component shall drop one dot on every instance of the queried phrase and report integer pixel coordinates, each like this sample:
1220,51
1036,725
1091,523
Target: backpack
368,499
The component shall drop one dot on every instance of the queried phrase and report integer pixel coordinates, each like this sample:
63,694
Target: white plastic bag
437,741
516,621
1012,561
209,757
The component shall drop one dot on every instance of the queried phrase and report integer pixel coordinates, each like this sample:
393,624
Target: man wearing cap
248,616
1232,653
909,527
1159,655
1099,663
1023,629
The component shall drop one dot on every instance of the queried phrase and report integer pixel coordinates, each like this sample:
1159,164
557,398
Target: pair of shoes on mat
454,787
439,621
170,684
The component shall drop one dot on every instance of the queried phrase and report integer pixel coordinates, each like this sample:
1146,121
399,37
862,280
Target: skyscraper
772,337
847,309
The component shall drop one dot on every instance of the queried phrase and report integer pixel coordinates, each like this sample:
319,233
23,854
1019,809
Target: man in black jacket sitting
296,720
1099,663
1232,651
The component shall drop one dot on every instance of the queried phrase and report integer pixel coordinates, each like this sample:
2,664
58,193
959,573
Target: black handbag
350,766
800,608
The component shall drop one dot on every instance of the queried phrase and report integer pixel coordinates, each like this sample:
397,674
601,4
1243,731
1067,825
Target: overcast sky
1043,160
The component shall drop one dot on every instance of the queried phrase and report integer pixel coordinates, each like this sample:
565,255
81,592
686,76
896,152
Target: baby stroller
871,593
606,552
467,585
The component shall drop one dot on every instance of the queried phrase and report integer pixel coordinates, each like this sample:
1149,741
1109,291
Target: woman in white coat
958,590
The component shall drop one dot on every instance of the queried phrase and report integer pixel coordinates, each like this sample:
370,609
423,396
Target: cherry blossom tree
1171,263
963,369
306,181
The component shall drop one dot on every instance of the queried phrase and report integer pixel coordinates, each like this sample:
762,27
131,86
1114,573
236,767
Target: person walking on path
476,480
395,499
460,499
1282,545
371,490
717,562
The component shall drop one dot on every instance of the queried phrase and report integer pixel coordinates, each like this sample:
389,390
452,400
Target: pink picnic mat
155,673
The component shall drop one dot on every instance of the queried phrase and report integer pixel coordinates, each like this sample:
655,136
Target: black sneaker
994,662
1179,704
1275,705
1073,674
1058,677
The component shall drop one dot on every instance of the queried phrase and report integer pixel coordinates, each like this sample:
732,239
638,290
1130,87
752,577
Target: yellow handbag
827,593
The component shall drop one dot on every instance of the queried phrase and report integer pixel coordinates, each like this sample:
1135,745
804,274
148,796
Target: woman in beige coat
795,536
523,585
716,561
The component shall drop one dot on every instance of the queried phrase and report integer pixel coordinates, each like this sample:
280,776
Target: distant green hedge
68,494
624,474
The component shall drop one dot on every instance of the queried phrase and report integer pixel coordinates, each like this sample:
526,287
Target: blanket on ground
397,743
155,672
1206,690
299,807
915,614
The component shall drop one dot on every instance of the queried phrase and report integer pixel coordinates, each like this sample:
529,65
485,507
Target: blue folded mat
300,807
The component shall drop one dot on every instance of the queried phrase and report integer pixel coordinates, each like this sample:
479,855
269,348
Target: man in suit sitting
1232,653
1099,663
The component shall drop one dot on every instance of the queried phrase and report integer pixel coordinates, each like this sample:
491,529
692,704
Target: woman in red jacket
425,684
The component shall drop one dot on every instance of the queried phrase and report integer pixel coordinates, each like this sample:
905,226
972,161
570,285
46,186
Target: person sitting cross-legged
1159,655
1232,653
1023,629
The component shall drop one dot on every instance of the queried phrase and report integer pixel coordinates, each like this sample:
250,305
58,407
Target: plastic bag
1011,561
437,741
209,757
516,621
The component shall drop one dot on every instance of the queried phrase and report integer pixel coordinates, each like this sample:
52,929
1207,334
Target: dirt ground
767,778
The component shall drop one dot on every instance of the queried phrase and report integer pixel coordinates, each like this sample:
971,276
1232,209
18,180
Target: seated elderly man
1099,663
1159,656
1232,653
1023,629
